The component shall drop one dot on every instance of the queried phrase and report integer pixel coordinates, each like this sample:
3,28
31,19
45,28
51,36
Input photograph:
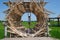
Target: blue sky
53,5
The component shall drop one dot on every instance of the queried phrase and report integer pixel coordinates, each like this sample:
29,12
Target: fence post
5,29
58,21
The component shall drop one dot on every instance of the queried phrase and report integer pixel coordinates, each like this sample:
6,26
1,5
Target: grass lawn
1,30
55,32
26,25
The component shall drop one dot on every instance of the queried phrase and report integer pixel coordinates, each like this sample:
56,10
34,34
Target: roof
58,16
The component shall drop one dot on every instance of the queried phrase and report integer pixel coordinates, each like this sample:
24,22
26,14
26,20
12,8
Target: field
1,30
26,24
55,32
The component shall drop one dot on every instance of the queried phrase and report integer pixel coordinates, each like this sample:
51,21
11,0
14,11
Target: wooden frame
16,10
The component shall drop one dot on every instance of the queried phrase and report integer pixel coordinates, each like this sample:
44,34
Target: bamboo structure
17,9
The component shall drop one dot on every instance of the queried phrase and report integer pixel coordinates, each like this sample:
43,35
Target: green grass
26,25
54,23
55,32
1,30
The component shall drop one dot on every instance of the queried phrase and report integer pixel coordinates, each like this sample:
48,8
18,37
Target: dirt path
31,38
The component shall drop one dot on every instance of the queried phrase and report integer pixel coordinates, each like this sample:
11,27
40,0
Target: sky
52,5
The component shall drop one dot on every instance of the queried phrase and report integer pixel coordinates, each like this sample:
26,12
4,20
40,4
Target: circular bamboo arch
14,19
